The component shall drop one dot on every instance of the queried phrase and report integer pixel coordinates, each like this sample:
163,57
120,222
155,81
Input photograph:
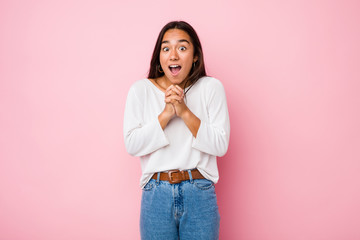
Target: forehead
175,35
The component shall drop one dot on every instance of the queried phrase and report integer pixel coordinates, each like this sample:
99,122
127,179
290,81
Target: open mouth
175,69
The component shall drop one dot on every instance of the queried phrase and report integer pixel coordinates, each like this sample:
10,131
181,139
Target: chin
175,80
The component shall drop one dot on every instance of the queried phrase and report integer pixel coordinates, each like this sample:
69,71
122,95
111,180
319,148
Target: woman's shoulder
209,82
140,84
139,88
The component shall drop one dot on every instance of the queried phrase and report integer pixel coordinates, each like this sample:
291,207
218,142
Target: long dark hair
196,72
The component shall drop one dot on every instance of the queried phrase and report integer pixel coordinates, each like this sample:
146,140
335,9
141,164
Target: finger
178,87
168,100
169,88
169,93
171,99
176,90
174,97
180,90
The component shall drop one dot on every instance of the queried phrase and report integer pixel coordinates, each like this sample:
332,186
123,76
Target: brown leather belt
177,176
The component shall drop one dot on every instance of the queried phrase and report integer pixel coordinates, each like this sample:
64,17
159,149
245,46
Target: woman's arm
210,135
140,137
214,133
176,97
191,121
166,115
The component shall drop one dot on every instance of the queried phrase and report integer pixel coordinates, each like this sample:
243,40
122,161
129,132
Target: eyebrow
181,40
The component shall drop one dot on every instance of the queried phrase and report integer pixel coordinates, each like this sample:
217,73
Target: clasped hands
175,106
174,99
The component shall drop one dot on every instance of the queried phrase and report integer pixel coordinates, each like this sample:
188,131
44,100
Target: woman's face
176,55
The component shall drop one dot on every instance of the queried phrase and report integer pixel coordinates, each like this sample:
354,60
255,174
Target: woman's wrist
191,121
185,114
164,118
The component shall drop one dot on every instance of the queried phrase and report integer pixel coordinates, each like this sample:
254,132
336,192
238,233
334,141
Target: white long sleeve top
175,147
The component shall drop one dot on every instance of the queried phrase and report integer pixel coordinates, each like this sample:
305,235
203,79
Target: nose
174,55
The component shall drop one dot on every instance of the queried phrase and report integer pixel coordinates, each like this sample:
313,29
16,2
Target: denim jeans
185,211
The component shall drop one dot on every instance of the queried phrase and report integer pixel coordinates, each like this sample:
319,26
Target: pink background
291,70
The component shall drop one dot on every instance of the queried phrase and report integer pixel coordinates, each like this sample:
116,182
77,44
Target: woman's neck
164,83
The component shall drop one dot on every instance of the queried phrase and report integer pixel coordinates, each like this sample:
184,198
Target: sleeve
214,134
140,137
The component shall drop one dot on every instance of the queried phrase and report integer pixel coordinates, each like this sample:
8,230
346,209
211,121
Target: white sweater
175,147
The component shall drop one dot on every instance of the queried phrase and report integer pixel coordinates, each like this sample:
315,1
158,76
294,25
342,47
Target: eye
165,49
182,48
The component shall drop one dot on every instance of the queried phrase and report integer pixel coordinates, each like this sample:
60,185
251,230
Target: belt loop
190,176
158,178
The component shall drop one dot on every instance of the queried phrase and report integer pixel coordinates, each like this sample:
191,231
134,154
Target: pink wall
291,72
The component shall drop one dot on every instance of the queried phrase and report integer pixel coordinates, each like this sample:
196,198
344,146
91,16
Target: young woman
177,122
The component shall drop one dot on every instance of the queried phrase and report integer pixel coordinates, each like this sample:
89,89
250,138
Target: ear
195,59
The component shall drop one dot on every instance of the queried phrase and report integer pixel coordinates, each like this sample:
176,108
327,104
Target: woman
177,122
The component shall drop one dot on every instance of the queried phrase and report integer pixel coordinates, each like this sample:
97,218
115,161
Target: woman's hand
175,95
169,110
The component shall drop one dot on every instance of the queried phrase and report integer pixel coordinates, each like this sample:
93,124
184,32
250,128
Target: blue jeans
185,211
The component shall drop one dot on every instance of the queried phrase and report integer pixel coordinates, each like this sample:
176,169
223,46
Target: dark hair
196,72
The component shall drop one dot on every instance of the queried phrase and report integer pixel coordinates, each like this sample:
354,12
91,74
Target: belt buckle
170,172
